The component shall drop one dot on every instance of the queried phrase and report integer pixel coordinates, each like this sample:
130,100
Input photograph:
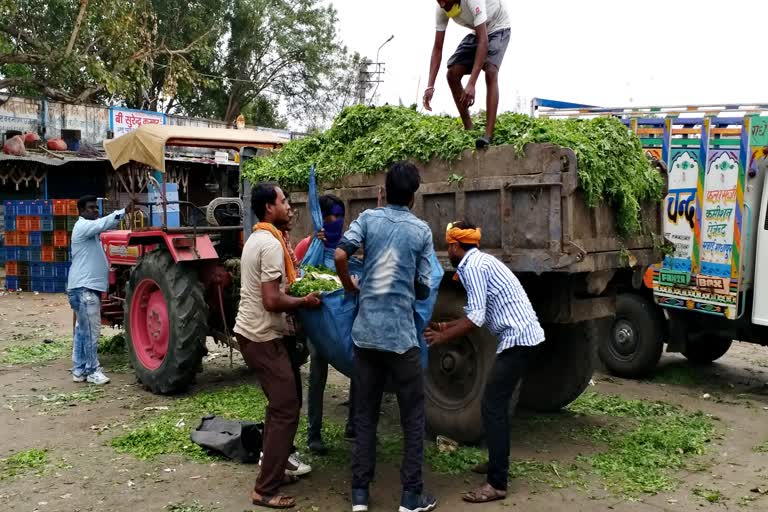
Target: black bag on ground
234,439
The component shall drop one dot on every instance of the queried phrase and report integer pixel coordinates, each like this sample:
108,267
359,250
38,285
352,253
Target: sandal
484,494
275,501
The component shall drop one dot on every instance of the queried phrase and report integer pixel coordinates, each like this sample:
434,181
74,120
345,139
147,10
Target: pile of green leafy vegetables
313,281
611,164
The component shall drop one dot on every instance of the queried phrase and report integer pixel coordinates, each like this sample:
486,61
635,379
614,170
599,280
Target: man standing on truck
481,50
494,298
266,269
396,272
88,279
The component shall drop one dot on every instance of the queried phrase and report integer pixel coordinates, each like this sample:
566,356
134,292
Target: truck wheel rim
453,373
150,329
624,339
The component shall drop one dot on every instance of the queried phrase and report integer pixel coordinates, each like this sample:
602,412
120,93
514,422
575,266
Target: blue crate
35,239
23,254
35,254
46,223
49,286
24,208
35,271
9,207
44,207
60,286
12,253
9,223
61,271
36,284
2,255
11,283
47,270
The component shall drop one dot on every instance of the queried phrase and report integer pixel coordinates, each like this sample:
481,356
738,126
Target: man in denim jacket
87,280
397,272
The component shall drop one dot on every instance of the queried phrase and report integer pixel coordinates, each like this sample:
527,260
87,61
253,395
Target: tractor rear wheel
165,323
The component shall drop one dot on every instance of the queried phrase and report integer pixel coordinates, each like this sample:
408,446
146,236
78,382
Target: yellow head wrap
455,235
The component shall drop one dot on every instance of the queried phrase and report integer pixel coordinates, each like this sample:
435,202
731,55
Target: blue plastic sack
316,255
422,310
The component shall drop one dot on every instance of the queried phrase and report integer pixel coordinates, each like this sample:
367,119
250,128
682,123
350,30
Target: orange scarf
463,236
290,271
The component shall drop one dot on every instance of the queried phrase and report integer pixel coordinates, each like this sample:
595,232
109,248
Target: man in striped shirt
497,300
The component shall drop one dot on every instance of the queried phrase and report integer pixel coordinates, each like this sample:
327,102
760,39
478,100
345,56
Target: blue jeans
87,307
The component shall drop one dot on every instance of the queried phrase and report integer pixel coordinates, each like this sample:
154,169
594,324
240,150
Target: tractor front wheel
165,323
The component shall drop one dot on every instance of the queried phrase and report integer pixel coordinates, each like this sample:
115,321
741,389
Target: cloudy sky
599,52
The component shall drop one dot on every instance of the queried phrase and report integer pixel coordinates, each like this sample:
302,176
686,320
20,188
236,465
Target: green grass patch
31,354
112,345
195,506
680,374
640,460
761,448
710,495
88,394
28,461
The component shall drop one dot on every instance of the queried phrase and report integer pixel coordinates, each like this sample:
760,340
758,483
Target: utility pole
367,76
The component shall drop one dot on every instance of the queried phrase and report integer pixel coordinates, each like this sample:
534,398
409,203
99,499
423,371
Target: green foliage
195,506
312,282
29,354
28,461
611,164
114,345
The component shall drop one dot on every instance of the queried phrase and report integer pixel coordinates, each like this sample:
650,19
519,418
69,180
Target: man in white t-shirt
481,50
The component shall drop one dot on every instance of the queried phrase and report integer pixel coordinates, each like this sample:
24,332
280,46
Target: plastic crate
36,285
60,239
9,223
34,222
72,207
22,239
71,221
11,283
22,269
9,207
47,270
23,207
10,239
60,286
47,254
46,223
34,254
61,270
59,207
35,239
23,254
11,253
44,208
2,256
11,268
49,286
22,223
47,237
61,254
35,270
60,223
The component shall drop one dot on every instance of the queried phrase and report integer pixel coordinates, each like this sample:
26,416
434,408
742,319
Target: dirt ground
86,474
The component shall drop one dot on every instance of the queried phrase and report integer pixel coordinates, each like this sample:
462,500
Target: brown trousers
272,365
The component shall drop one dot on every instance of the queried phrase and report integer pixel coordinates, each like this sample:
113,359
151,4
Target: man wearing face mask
496,299
481,50
333,211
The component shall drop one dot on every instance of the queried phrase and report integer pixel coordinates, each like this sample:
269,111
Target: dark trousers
318,377
373,368
272,365
507,370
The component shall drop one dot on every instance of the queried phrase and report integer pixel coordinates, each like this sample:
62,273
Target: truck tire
562,369
707,349
165,323
634,345
456,375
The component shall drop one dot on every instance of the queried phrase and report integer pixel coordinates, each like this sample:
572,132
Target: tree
84,51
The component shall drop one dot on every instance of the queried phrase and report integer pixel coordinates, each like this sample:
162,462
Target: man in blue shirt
497,300
396,272
87,280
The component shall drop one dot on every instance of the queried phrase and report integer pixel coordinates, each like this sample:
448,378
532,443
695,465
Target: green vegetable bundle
315,279
611,164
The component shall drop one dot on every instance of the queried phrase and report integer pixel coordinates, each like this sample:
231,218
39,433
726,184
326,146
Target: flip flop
276,501
481,495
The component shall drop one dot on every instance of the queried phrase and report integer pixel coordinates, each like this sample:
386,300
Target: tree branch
21,58
24,36
76,29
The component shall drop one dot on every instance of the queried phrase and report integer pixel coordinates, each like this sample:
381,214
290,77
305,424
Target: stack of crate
37,236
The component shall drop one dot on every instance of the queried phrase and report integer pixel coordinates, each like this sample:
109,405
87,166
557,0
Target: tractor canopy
146,144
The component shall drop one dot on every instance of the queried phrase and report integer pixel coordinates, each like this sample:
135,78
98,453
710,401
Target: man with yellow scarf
481,50
266,270
496,299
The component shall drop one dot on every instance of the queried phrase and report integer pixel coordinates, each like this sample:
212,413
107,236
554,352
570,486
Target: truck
707,291
173,287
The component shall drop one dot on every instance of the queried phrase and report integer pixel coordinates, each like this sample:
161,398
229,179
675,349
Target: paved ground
85,473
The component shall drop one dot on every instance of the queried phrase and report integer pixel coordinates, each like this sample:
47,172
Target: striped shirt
497,299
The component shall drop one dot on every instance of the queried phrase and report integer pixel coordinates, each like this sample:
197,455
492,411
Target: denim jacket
398,248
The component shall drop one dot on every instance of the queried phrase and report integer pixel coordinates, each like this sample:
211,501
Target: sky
597,52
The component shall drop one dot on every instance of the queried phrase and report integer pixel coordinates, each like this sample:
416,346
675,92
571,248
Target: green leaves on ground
29,354
611,164
28,461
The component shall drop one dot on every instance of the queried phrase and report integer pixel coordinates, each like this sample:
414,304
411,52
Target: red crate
34,223
47,253
10,238
22,239
60,207
72,207
22,223
60,239
11,268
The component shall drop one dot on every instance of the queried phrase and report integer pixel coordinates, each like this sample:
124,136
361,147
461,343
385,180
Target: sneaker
413,502
295,466
359,500
482,142
98,378
78,378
